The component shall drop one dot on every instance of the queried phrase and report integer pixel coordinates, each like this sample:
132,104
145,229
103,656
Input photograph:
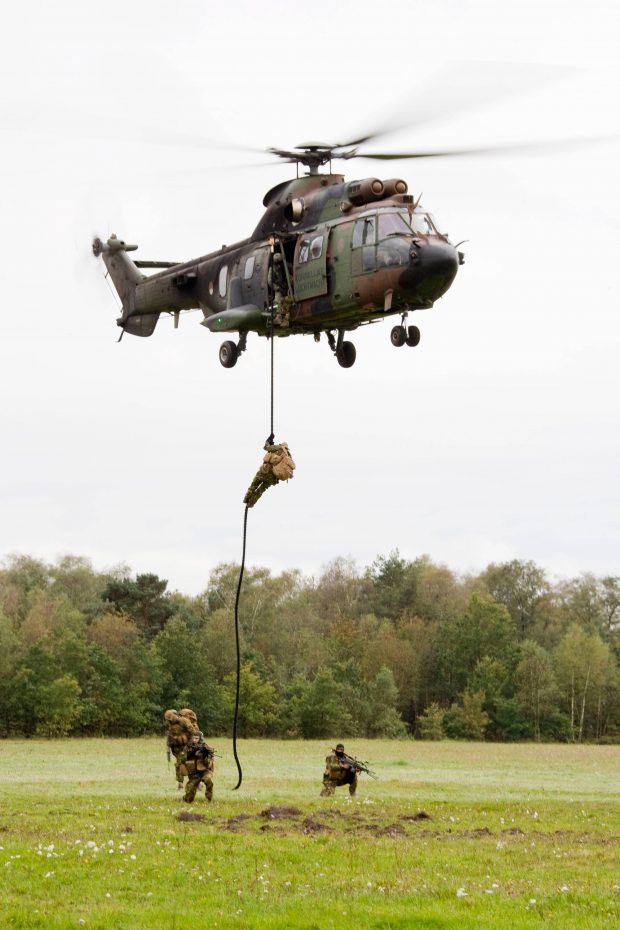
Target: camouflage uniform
278,465
282,300
179,736
337,773
199,769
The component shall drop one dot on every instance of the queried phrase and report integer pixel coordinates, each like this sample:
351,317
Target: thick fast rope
241,570
245,531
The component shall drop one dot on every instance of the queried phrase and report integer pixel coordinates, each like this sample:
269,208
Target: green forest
397,649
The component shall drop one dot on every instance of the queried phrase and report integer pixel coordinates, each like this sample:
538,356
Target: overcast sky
496,438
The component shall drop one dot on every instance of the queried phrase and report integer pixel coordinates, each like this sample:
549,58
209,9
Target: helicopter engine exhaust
366,191
394,186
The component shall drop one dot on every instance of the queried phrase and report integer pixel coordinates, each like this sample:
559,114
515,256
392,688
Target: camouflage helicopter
327,257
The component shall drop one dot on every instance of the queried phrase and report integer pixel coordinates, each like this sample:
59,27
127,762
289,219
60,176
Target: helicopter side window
316,247
249,268
364,232
223,281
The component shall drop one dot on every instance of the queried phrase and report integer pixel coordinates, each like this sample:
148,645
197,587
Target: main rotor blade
516,148
464,86
65,122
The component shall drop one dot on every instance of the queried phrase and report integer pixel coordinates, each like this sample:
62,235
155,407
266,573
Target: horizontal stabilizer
140,324
237,318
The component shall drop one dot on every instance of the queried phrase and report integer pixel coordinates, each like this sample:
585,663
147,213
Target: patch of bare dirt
190,816
392,830
315,826
280,813
421,815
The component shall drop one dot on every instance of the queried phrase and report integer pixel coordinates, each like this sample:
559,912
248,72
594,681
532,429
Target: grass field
516,836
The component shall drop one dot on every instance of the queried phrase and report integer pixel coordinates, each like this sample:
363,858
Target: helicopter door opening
311,264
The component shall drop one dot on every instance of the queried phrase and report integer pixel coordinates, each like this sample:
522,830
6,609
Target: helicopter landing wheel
228,354
398,336
413,336
346,355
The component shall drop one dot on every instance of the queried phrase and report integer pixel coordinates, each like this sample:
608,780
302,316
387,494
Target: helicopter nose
432,269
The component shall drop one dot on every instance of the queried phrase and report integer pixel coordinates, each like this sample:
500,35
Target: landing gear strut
343,350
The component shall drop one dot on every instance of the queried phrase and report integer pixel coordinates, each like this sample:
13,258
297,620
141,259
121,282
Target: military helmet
339,746
170,715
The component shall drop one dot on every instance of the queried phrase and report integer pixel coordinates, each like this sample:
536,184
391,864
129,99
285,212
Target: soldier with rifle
198,765
341,769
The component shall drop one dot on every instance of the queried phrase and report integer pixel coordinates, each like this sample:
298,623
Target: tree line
394,649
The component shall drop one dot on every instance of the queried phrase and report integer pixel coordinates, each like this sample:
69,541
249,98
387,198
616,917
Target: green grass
520,836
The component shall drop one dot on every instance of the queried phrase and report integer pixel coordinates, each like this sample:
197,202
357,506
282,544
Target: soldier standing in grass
338,771
198,765
181,729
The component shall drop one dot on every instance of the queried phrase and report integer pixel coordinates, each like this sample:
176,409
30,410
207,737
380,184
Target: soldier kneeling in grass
198,766
338,771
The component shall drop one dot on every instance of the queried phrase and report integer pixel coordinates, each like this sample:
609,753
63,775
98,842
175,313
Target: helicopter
327,256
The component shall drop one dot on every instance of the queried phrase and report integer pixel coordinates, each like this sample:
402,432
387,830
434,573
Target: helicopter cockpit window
420,223
364,232
316,247
249,268
223,280
393,224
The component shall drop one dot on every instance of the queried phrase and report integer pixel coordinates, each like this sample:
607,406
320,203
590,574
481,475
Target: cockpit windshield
402,223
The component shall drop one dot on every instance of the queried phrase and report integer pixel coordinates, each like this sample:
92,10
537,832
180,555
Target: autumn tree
522,587
145,600
536,685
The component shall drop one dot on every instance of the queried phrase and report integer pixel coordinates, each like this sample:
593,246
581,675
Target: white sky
496,438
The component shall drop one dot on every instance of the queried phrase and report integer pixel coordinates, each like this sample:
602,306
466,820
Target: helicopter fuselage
326,256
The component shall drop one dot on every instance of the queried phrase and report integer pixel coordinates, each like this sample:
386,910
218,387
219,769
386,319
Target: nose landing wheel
399,336
413,336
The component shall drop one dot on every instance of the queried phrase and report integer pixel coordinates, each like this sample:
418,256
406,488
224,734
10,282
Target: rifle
357,765
168,753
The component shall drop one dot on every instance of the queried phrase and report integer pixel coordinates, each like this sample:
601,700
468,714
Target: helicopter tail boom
125,277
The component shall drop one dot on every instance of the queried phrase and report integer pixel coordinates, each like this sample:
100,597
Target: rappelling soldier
278,465
199,766
338,771
181,729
